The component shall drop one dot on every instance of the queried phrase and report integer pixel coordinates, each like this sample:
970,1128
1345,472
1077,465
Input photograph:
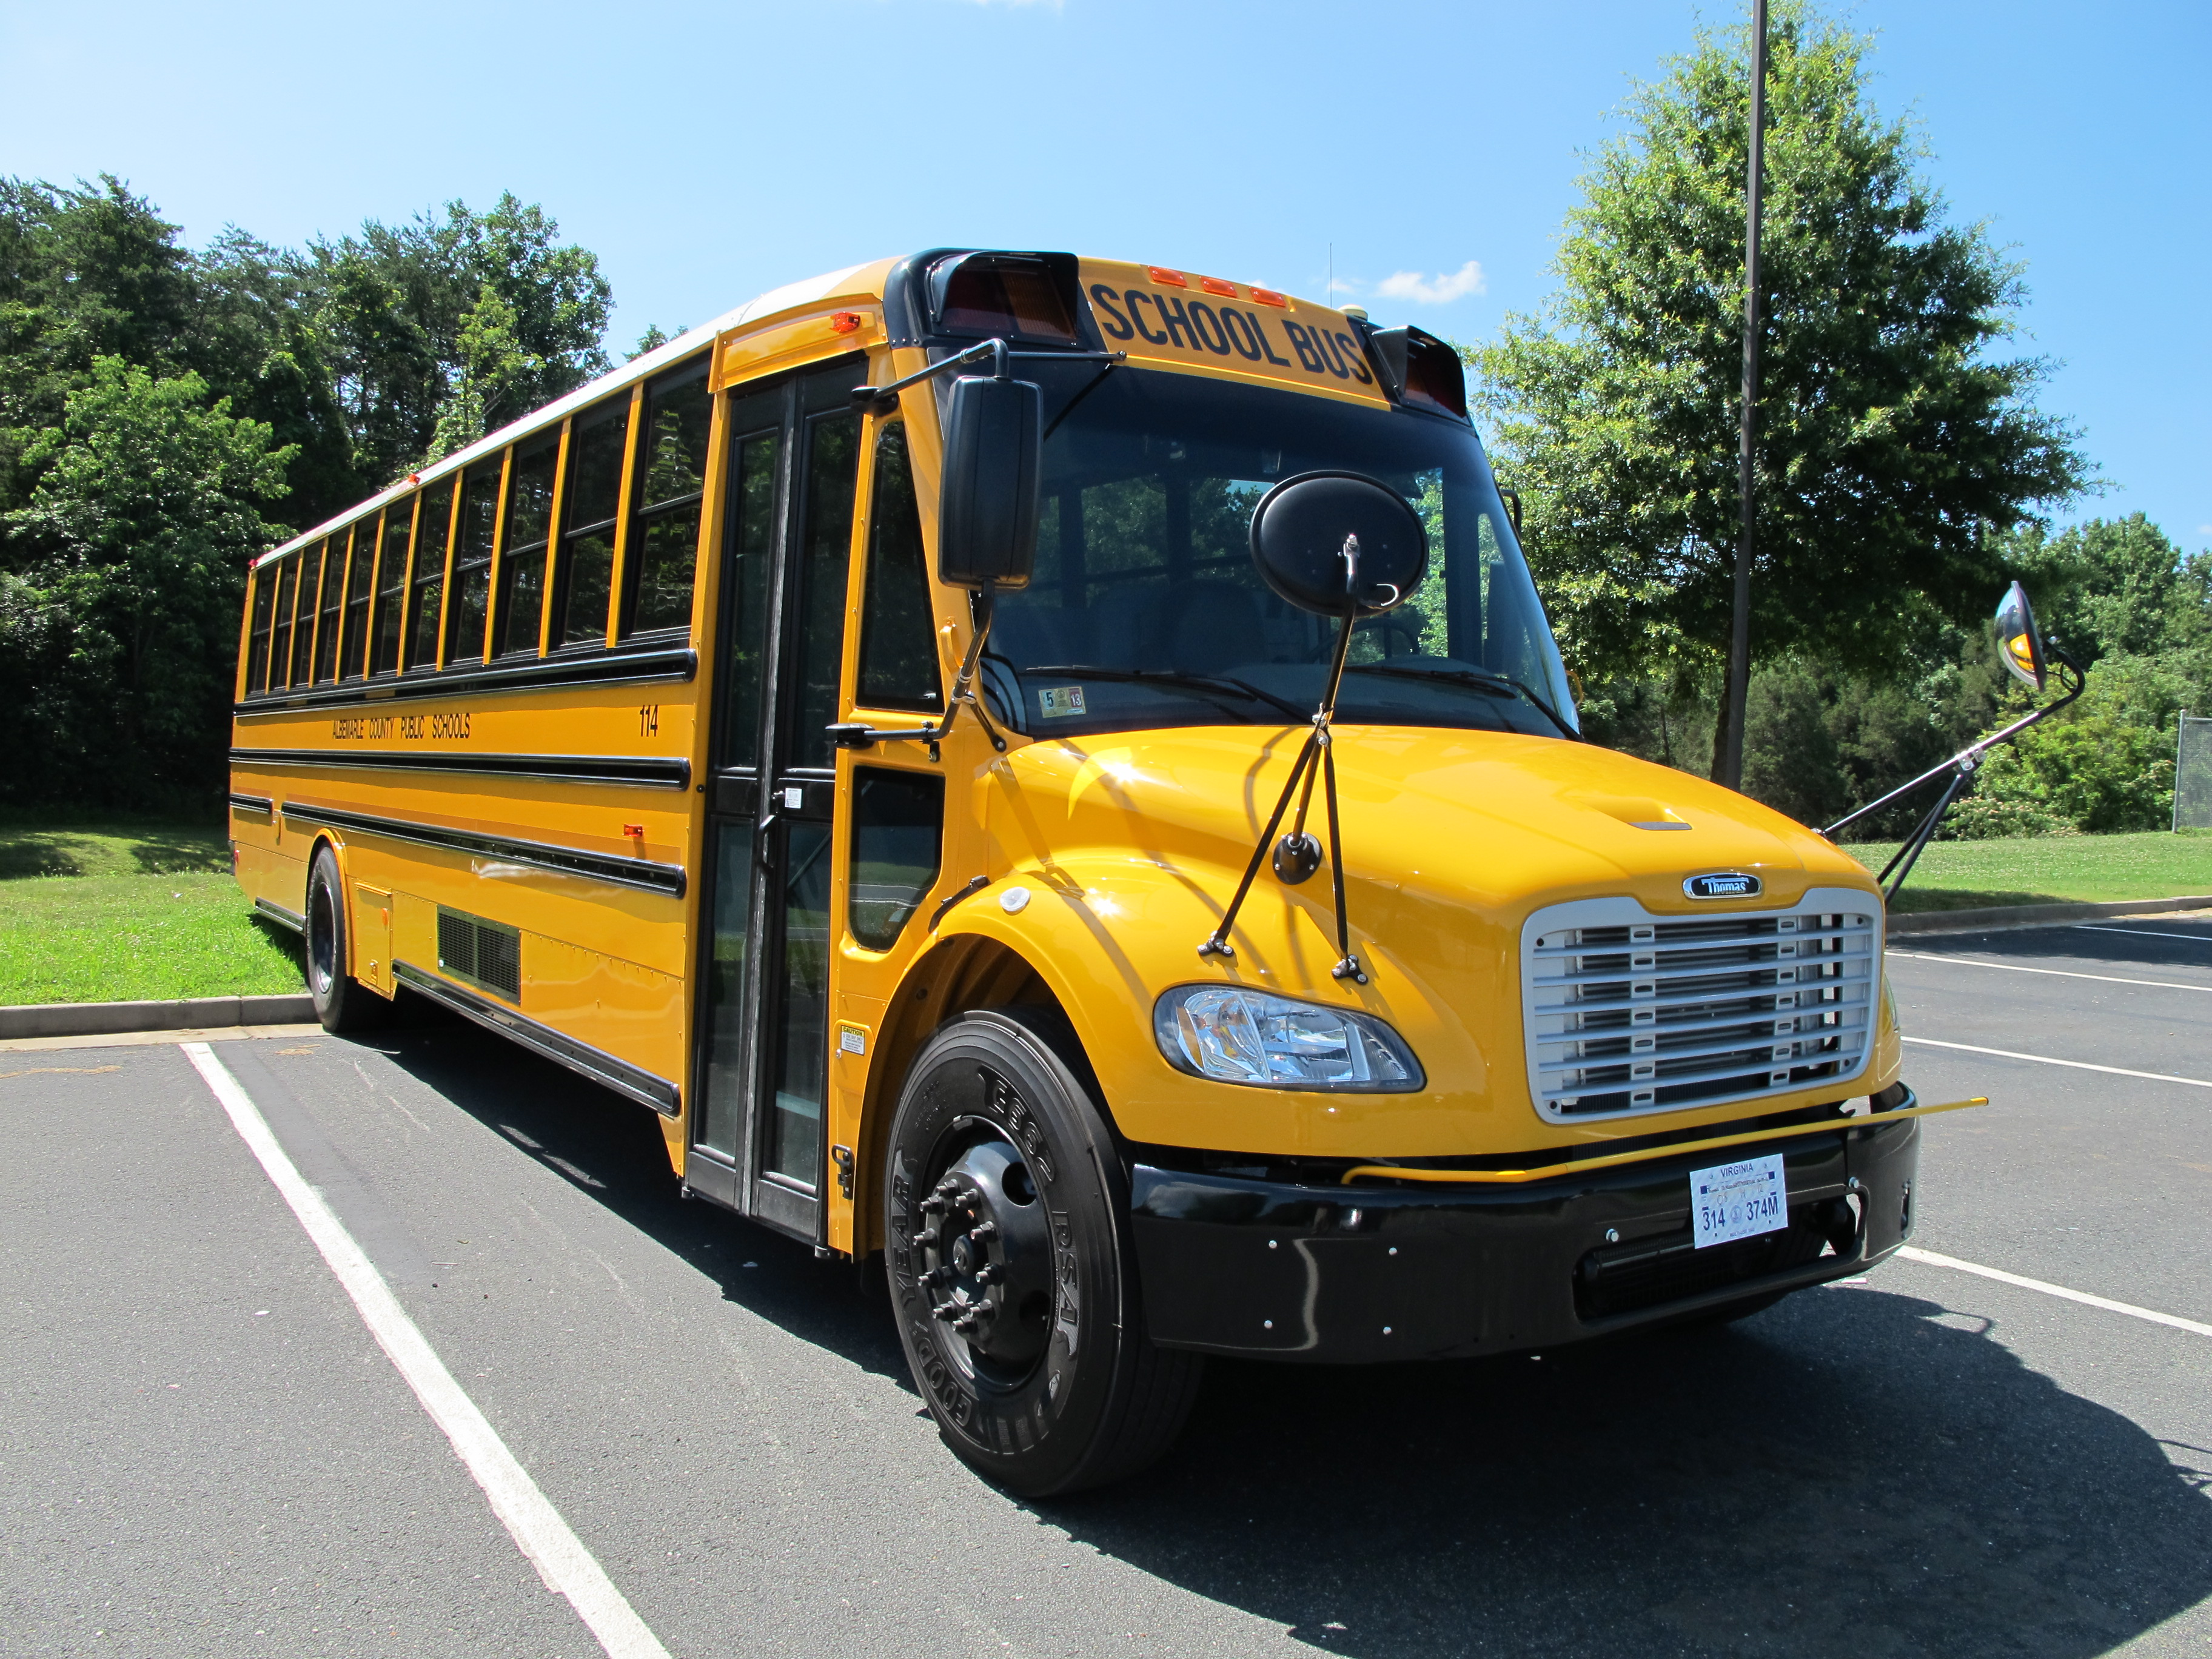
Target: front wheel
1008,1255
342,1002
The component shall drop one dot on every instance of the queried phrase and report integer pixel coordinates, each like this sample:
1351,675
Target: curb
183,1014
1991,917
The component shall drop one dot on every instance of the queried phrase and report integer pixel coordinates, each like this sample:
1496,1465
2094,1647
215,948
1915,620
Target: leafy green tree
122,608
489,312
1892,434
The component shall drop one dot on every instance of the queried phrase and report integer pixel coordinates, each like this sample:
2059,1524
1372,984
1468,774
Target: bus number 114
648,720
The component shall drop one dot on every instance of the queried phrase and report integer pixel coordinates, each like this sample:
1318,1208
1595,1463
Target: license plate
1739,1201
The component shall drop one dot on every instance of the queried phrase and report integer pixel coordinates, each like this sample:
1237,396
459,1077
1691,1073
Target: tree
122,609
1892,439
443,328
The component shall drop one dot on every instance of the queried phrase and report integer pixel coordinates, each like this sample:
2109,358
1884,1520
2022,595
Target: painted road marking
2076,1065
567,1568
1929,1258
2061,973
2144,933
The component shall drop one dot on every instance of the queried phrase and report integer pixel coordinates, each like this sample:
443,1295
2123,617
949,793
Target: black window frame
391,590
890,438
491,470
353,627
427,575
644,514
570,532
256,634
330,606
513,561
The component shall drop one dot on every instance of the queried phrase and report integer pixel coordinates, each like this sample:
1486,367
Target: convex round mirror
1339,543
2018,641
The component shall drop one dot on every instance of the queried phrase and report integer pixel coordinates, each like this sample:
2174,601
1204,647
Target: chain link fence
2192,774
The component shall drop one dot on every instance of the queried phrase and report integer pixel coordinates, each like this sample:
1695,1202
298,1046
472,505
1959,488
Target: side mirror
986,521
2018,641
1339,545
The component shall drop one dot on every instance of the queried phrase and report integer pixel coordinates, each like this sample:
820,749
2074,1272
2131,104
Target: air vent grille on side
485,954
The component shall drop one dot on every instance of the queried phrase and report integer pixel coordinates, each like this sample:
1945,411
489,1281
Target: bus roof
862,282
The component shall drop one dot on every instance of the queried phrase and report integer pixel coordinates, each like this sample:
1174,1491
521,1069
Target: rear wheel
342,1002
1011,1269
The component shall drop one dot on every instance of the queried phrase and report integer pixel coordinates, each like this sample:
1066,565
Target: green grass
123,911
1964,875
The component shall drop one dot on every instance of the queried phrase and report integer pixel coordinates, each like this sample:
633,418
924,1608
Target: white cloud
2204,529
1440,291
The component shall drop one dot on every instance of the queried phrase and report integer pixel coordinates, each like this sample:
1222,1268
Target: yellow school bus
1052,774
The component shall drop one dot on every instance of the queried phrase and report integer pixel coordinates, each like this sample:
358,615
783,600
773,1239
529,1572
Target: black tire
1011,1271
342,1002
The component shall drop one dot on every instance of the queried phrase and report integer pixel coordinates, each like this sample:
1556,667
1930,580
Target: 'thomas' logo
1723,883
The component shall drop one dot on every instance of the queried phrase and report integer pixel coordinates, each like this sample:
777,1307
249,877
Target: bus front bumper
1371,1274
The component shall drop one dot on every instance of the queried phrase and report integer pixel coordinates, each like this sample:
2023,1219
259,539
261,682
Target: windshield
1146,608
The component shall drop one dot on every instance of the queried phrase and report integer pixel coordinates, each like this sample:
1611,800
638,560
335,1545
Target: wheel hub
987,1260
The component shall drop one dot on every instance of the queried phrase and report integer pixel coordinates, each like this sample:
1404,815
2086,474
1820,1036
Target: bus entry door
757,1139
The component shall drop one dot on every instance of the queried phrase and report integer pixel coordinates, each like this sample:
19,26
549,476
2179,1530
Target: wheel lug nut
926,1236
944,1311
989,1274
932,1205
984,1231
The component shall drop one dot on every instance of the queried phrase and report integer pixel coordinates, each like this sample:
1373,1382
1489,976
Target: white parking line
567,1568
2075,1064
2142,932
1929,1258
2060,973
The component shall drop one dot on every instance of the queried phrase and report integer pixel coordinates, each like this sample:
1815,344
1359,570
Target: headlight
1234,1034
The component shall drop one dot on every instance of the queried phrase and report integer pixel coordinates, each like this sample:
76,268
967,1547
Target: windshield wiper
1479,679
1169,677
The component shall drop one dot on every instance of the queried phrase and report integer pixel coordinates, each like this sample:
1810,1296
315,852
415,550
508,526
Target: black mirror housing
1339,545
986,520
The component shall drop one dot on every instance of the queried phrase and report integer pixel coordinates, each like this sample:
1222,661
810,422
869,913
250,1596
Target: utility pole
1728,763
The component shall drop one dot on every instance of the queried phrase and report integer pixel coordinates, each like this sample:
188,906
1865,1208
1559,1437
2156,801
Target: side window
589,504
464,611
391,587
256,638
756,426
432,531
522,564
898,654
672,479
898,837
361,568
825,553
333,608
303,610
282,652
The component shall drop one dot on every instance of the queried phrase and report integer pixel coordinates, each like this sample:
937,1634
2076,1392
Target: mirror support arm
1961,766
856,734
1298,856
884,399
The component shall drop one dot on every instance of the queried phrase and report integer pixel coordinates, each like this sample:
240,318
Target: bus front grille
1627,1013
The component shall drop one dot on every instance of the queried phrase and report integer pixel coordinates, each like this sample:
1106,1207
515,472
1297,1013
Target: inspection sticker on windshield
1739,1201
1056,701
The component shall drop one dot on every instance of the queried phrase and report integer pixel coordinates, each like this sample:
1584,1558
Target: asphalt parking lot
203,1450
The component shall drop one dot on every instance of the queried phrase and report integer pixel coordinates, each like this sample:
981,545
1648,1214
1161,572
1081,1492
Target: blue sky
1426,150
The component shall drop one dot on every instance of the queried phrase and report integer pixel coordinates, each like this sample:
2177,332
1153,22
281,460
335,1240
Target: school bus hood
1496,822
